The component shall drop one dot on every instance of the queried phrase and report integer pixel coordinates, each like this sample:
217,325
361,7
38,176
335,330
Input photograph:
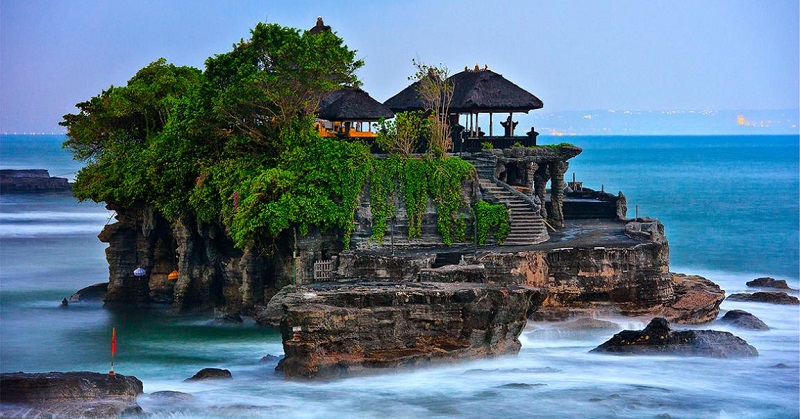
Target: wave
8,231
59,216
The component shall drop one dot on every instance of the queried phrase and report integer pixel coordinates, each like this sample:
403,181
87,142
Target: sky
575,55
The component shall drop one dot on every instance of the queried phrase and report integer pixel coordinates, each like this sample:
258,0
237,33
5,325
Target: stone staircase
527,226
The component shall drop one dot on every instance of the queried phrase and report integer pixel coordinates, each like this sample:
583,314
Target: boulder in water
96,292
766,297
68,394
768,282
211,374
658,339
743,320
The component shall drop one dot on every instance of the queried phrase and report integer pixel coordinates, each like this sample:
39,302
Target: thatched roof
474,91
407,100
352,104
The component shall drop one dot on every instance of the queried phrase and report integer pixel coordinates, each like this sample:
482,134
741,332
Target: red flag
113,340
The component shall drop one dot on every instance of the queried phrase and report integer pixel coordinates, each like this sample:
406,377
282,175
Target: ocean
730,207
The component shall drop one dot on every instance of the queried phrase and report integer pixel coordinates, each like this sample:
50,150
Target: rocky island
423,240
14,181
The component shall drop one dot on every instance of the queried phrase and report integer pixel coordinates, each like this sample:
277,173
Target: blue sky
574,55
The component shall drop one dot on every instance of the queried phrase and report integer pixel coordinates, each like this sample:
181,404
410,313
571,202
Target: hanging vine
491,218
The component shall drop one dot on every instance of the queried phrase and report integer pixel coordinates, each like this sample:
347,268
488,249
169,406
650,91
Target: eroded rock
767,282
766,297
658,339
743,320
211,374
696,300
340,329
68,394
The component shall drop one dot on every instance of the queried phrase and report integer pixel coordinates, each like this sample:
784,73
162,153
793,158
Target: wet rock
171,396
743,320
96,292
68,394
587,323
14,181
768,282
658,339
341,329
268,359
454,273
696,300
766,297
211,374
228,318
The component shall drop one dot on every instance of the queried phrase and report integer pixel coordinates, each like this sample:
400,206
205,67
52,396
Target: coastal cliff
341,329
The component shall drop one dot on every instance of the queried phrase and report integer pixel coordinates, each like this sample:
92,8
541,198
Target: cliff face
629,280
211,272
331,330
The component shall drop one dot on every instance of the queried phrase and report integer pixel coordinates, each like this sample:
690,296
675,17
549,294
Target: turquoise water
730,206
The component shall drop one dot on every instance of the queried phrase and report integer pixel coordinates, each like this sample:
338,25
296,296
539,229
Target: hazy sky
574,55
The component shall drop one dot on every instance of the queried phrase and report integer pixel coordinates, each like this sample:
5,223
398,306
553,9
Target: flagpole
113,349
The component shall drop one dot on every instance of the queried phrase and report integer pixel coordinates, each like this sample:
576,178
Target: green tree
402,134
436,92
276,77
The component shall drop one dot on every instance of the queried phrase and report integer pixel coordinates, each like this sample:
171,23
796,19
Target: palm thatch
352,104
473,91
487,91
407,100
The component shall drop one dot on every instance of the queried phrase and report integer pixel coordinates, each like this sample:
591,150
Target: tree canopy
235,144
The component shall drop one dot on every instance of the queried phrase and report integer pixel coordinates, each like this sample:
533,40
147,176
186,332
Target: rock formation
766,297
68,394
768,282
336,329
32,181
696,300
743,320
210,374
658,339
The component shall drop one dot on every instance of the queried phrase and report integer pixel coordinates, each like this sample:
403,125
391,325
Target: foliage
383,193
235,145
402,134
419,180
436,92
491,218
278,74
446,176
516,144
487,145
554,146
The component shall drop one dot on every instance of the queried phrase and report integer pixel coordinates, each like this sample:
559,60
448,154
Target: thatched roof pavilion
474,92
352,104
487,91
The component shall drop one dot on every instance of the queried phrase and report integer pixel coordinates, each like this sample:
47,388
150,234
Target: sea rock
211,374
346,328
68,394
766,297
171,396
768,282
696,300
228,318
586,323
658,339
32,181
96,292
743,320
269,358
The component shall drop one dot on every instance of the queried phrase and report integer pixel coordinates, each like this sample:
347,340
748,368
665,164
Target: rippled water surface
711,194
